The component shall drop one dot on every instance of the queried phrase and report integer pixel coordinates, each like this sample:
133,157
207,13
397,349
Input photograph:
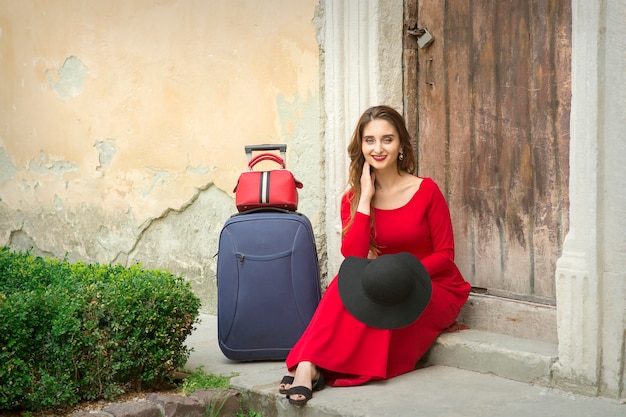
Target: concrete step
506,356
517,318
482,380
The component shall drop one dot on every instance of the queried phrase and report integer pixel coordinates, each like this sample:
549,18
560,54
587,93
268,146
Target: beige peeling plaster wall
122,123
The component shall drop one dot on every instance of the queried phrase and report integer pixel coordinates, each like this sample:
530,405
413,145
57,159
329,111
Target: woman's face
381,145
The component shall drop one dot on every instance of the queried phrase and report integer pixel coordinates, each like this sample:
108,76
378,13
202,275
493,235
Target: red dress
352,353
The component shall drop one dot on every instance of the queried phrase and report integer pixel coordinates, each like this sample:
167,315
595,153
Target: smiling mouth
378,157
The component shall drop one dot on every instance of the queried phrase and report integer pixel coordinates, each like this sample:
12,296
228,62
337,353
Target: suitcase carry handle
271,147
266,157
281,147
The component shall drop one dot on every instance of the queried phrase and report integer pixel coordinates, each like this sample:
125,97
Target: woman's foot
306,380
285,383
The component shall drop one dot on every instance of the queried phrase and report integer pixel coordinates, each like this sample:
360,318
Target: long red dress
352,353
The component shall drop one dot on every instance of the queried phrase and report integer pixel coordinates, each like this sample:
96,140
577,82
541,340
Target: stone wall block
177,405
132,409
88,414
226,402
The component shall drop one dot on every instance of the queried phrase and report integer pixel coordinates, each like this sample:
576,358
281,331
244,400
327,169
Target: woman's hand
367,189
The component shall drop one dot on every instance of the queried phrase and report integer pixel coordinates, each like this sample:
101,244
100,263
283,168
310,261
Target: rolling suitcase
268,284
268,280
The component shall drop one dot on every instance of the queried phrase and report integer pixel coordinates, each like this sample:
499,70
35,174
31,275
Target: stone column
591,273
361,43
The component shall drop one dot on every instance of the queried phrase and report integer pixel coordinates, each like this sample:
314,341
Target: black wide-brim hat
388,292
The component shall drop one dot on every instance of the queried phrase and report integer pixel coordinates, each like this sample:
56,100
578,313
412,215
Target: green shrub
73,332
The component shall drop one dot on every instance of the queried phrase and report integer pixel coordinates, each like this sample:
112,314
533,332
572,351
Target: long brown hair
357,159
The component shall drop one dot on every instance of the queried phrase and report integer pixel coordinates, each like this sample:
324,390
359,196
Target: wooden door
488,104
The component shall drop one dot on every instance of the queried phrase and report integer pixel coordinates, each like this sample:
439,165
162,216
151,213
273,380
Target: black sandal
287,379
318,385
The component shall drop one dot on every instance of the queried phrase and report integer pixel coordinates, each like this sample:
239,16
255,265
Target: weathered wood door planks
488,104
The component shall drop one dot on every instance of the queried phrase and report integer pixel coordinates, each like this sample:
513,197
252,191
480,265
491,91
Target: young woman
387,210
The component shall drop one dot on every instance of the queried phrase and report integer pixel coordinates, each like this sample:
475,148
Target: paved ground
436,391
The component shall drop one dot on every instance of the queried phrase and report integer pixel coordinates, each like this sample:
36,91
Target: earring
401,156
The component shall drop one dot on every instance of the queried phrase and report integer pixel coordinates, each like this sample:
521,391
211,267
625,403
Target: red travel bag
277,188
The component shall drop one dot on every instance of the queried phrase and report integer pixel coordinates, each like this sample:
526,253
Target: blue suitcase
268,284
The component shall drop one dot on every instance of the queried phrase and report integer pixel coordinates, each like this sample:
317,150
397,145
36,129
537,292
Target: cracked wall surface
122,124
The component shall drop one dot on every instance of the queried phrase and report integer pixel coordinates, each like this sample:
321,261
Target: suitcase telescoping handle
281,147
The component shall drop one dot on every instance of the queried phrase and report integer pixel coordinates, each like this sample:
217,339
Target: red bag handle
266,157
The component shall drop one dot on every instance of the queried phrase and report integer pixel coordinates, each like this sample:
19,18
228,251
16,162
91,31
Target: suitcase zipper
242,257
